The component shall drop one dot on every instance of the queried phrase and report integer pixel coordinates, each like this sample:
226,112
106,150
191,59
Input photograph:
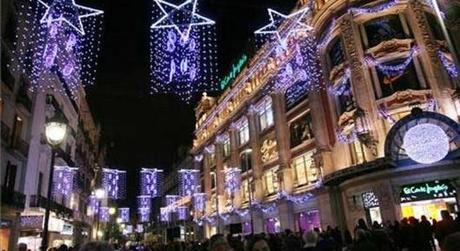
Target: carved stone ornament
389,47
268,150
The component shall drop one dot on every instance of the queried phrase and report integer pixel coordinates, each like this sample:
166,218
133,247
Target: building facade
25,154
329,155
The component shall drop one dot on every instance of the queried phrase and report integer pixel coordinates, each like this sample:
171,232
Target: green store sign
236,69
427,190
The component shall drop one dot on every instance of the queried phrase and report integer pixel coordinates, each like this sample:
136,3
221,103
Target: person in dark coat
426,234
444,227
363,243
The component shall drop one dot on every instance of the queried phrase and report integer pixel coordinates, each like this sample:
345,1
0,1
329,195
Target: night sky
146,130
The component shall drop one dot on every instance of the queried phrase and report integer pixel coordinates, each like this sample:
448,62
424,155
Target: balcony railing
12,198
40,201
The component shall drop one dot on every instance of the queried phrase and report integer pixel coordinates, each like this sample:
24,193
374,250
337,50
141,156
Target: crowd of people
410,234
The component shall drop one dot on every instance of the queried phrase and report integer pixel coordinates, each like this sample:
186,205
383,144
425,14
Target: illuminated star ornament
294,21
67,11
57,45
182,50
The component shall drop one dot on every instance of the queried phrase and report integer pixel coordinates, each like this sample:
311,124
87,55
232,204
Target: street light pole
48,202
55,132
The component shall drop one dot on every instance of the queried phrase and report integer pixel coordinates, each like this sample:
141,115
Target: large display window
308,221
429,199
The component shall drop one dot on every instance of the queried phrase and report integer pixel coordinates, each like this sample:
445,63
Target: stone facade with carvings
379,60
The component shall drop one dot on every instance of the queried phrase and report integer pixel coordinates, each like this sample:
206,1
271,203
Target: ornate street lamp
100,195
55,132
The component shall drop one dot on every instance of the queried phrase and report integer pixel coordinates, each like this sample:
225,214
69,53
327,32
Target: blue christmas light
114,183
150,181
63,181
393,69
188,181
123,214
232,179
57,45
199,200
182,51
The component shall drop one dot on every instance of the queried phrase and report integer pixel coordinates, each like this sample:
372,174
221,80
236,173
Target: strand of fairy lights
393,69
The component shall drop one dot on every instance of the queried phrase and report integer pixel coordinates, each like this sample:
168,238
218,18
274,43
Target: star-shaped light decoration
277,19
180,17
69,12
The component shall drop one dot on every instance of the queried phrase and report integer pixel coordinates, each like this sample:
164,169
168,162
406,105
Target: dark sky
141,129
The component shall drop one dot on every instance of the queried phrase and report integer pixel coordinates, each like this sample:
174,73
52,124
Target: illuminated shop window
265,114
245,191
383,29
357,151
301,130
211,159
305,169
227,149
271,181
243,132
388,84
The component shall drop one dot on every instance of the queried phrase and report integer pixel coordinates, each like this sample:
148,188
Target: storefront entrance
429,199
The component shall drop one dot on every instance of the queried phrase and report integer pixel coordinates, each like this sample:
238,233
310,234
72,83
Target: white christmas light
426,143
277,19
69,12
167,20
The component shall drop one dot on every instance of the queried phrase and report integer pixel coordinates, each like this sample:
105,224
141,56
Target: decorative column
285,176
318,103
257,171
361,81
220,175
438,80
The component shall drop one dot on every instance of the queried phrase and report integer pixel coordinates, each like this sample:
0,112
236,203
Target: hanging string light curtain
232,180
63,181
199,200
182,50
188,181
392,70
114,183
57,45
123,214
151,181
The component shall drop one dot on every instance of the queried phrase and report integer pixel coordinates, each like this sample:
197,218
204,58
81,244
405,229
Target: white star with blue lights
277,19
69,12
180,17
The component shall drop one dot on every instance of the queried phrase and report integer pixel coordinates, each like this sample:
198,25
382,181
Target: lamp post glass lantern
55,132
100,195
